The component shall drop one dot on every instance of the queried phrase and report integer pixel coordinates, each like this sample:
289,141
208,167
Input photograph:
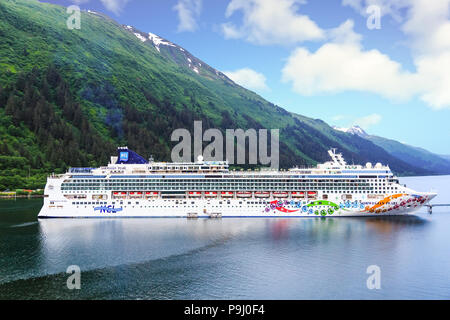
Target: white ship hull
220,208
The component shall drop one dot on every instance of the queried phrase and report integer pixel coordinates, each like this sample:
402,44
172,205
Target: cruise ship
131,186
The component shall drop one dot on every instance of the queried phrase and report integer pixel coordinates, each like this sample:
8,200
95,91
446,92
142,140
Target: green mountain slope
413,155
436,164
69,97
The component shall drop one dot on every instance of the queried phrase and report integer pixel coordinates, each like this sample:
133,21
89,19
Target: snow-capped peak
353,130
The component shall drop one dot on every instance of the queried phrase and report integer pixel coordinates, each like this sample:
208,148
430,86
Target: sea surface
298,258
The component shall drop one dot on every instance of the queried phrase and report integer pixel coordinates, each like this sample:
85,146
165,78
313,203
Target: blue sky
319,58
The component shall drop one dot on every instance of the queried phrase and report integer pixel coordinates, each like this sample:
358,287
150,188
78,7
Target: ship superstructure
131,186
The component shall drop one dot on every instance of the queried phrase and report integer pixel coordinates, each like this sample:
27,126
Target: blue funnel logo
124,156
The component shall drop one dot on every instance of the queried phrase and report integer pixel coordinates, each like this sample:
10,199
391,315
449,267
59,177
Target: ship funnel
127,156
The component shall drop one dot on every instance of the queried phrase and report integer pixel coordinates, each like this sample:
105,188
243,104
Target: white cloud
344,33
271,22
388,7
115,6
343,64
434,71
188,12
337,67
368,121
425,22
428,26
248,78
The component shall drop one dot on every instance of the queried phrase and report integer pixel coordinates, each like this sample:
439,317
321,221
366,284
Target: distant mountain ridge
409,154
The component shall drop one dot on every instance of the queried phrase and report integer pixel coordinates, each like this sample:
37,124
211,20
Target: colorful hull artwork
325,207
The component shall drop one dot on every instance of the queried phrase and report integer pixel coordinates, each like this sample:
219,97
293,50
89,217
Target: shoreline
21,196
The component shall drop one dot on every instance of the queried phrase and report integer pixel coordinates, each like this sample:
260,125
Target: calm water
305,258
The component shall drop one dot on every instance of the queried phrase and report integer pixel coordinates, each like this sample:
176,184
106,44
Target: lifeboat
119,195
262,194
312,194
210,194
244,194
280,194
226,194
195,194
297,194
151,194
134,194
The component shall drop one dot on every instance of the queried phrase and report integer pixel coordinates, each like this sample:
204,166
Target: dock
215,215
430,206
192,215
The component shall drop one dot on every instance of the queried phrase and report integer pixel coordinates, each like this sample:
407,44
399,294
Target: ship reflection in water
228,258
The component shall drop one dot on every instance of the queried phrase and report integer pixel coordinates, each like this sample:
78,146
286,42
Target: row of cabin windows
206,188
297,184
275,179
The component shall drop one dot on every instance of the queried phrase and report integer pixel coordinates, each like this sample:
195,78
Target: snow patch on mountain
357,130
157,41
191,62
93,12
140,37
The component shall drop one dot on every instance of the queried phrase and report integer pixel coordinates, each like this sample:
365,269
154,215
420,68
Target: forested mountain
70,97
413,155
